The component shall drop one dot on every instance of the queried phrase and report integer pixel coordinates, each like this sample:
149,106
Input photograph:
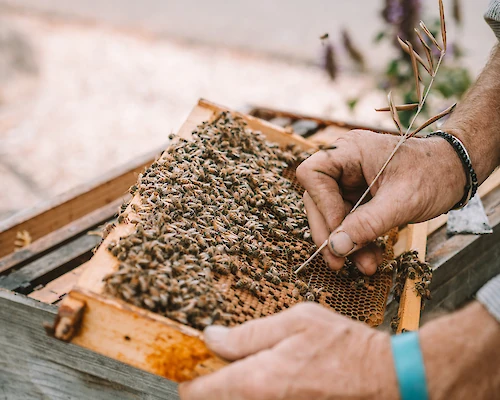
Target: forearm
476,120
462,355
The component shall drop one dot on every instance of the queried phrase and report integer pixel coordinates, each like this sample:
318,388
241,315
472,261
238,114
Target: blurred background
86,86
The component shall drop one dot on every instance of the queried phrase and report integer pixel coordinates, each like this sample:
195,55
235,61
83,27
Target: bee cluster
222,204
407,265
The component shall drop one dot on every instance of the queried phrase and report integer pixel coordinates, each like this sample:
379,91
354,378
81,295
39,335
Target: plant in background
401,16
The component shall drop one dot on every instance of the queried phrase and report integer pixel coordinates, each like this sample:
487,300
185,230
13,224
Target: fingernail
215,334
341,244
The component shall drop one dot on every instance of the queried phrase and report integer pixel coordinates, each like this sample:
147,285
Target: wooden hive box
33,281
109,326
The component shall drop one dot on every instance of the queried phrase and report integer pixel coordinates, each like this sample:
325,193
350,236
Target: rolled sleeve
489,296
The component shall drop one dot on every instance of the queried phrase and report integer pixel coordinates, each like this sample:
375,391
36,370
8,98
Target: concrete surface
288,28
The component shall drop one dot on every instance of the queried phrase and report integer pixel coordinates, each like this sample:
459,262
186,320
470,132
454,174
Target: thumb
365,224
256,335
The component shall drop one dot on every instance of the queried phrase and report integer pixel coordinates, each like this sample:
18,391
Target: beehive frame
149,341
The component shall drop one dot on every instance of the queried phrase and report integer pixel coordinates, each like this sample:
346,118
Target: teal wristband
409,366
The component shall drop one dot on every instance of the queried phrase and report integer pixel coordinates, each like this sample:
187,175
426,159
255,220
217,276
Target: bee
127,292
302,286
133,189
309,296
283,275
149,303
245,269
359,284
269,276
203,322
254,288
221,269
395,323
123,207
276,280
143,283
243,283
107,229
178,316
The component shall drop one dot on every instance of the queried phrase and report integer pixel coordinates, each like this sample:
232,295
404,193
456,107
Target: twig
392,108
312,257
403,107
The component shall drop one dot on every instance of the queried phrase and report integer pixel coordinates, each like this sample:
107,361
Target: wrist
482,162
386,380
450,171
461,354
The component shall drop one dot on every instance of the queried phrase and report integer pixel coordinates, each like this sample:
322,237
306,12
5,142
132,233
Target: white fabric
489,296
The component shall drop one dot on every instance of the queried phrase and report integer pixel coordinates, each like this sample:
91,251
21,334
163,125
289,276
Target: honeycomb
182,263
365,303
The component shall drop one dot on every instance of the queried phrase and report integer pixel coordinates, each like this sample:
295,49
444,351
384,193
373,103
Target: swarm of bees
217,219
209,207
407,265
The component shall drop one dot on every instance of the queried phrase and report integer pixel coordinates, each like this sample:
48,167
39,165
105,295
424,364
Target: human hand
424,179
307,352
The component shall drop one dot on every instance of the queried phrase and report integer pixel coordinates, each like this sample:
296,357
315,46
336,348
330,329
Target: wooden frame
140,338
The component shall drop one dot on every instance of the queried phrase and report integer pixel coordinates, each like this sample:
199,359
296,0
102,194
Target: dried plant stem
312,257
403,139
404,107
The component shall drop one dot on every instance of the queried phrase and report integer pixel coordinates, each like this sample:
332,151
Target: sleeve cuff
489,297
492,17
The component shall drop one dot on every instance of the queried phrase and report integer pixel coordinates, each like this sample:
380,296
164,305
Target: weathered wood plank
52,265
35,366
74,204
59,237
59,287
272,113
461,264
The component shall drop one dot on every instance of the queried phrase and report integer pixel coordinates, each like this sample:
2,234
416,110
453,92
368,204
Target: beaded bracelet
472,183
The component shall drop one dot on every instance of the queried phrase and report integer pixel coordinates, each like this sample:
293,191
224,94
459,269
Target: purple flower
392,12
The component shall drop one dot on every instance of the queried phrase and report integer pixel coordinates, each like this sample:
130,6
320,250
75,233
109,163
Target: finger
319,175
254,336
366,223
229,383
368,259
320,232
250,378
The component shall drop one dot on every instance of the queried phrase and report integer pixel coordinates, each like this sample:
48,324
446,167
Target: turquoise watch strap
409,366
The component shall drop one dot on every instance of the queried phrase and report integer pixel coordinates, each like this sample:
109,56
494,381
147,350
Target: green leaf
453,82
379,37
352,103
